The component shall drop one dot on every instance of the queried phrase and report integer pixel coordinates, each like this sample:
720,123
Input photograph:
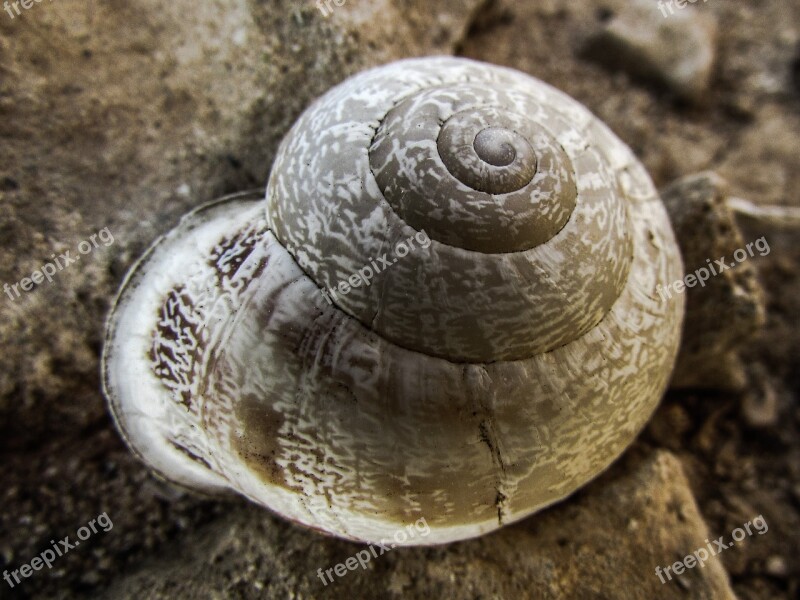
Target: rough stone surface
669,45
638,516
708,234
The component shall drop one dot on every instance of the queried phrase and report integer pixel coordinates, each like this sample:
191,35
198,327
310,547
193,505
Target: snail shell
480,376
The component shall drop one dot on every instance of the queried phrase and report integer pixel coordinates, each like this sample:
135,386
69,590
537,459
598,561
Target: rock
726,310
606,543
777,567
773,217
675,47
760,402
762,164
669,426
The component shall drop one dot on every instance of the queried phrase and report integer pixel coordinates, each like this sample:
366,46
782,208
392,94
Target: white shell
476,380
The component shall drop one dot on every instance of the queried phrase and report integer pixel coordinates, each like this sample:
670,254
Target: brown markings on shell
174,365
312,349
231,253
191,455
257,445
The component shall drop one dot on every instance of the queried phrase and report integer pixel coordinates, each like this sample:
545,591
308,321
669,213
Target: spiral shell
474,379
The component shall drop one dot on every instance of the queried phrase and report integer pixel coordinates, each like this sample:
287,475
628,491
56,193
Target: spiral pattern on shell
477,379
546,232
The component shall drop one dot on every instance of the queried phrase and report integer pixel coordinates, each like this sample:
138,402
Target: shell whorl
530,245
493,182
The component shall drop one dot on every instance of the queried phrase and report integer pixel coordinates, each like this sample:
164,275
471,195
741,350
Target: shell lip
132,277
